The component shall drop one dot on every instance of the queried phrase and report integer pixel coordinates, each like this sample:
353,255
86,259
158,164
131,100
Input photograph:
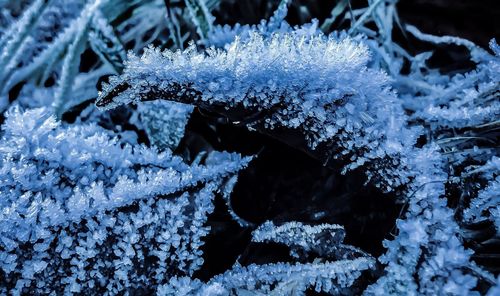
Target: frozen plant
82,212
298,234
335,269
221,35
324,240
85,209
315,93
49,32
464,100
486,205
289,279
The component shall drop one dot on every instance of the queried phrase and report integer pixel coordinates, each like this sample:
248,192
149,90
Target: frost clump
83,212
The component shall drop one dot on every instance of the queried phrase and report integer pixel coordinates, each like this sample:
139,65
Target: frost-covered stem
289,279
291,95
72,59
81,211
473,48
201,16
336,11
239,114
11,41
173,26
428,244
365,16
105,43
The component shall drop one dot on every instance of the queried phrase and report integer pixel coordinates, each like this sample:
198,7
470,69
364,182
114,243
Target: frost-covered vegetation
132,132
